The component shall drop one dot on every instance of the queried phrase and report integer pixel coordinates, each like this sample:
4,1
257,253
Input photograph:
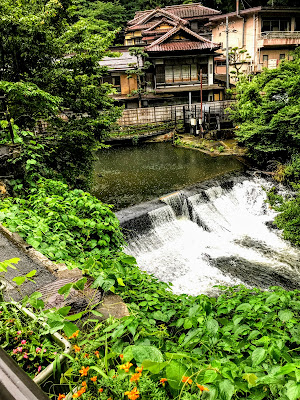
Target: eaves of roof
182,46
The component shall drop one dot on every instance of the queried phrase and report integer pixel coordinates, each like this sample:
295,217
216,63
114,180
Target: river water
218,232
129,175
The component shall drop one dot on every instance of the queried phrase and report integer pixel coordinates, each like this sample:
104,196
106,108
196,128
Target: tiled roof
181,11
118,63
199,42
175,30
163,20
182,46
143,18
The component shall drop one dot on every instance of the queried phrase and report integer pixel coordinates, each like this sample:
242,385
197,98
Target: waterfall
218,233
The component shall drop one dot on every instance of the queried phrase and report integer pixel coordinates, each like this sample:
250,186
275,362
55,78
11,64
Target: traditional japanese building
181,55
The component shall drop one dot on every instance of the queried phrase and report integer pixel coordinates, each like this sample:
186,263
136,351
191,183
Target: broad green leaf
79,285
250,378
31,273
226,390
69,328
244,307
65,290
64,310
212,326
285,315
209,376
142,353
19,280
120,282
154,367
175,371
258,356
292,390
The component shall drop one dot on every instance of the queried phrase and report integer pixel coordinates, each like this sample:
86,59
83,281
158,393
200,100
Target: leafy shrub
62,223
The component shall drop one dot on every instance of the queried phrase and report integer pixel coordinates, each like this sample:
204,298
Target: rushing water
215,234
133,174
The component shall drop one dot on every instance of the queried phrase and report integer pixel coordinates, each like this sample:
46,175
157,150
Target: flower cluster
133,394
126,366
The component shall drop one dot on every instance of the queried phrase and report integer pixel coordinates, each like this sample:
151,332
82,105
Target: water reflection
125,176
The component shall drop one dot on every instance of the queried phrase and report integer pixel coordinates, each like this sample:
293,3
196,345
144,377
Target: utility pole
227,55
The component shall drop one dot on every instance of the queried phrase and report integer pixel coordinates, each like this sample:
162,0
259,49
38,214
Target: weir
214,233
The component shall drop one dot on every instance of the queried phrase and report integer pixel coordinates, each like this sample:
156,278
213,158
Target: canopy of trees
268,112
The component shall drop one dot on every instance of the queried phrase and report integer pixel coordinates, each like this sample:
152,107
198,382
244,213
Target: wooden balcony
279,38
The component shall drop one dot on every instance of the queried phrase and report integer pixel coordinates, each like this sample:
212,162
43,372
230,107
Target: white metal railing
280,35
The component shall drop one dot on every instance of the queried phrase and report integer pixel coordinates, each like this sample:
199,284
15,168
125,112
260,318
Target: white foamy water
219,238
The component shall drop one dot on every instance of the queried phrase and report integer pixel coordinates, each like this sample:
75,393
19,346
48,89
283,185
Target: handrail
15,384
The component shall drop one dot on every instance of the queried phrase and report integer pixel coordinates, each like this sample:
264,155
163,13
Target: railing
15,384
280,35
152,115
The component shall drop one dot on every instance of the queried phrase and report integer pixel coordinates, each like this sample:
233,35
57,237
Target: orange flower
83,383
121,356
133,395
97,353
187,379
84,371
86,356
76,348
135,377
79,393
163,381
109,398
61,396
74,335
100,390
94,378
202,388
139,369
126,366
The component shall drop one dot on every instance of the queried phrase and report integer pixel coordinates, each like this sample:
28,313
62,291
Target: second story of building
269,34
149,25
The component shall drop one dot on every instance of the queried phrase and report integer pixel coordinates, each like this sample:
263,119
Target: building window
274,24
282,57
265,60
113,80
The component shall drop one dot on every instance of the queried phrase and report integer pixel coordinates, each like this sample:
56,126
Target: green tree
237,58
268,112
138,69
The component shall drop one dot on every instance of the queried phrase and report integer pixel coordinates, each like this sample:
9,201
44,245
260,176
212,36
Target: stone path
26,264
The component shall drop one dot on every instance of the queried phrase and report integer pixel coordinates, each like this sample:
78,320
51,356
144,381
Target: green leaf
209,376
64,310
258,356
250,378
292,390
69,328
120,282
128,260
99,370
19,280
154,367
79,285
142,353
285,315
226,390
65,290
31,273
174,373
212,326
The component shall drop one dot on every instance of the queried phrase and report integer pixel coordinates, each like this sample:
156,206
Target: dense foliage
268,112
62,223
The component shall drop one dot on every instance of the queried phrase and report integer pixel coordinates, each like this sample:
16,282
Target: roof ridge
174,30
